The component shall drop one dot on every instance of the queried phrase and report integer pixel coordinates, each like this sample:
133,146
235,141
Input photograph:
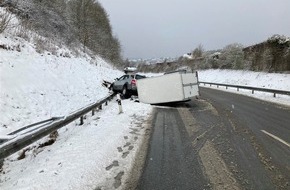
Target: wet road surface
221,141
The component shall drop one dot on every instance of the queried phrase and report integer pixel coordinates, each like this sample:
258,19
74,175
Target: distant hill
272,55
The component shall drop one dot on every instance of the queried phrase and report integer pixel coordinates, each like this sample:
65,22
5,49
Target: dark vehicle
127,84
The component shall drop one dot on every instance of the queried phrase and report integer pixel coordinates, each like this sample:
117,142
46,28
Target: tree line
272,55
72,22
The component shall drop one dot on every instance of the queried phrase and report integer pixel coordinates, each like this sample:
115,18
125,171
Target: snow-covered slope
37,86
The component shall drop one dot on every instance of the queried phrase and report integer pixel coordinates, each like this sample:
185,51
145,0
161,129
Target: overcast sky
170,28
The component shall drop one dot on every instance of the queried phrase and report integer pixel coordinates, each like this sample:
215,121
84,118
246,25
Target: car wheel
125,92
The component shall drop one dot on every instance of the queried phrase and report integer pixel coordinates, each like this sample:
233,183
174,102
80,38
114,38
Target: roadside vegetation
75,24
272,55
84,25
5,18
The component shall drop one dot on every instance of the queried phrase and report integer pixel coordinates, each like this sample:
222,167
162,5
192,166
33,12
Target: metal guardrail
283,92
10,147
34,124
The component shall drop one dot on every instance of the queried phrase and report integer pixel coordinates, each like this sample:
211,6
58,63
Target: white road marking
277,138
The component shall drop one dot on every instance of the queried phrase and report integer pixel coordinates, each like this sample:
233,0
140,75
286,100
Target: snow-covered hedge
280,39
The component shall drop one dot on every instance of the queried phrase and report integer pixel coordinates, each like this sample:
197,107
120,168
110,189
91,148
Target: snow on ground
83,157
249,78
37,86
98,154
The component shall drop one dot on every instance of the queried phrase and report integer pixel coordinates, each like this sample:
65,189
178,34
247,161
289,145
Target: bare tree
232,57
5,19
93,29
198,51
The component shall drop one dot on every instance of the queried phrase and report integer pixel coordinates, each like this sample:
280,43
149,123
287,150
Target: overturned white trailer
170,87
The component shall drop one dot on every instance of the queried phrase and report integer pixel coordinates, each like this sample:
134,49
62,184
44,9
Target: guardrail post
82,120
119,103
217,86
226,87
274,95
100,107
238,89
106,103
93,111
252,91
209,84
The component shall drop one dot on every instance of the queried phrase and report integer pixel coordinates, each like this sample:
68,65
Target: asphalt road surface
220,141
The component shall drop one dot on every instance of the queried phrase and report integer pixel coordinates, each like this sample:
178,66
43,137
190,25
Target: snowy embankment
37,86
250,78
98,155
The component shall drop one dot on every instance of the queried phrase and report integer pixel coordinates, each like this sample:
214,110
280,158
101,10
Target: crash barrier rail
14,145
35,124
283,92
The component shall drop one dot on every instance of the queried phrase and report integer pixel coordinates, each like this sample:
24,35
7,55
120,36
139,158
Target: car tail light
133,82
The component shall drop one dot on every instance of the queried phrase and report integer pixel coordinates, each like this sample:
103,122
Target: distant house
188,56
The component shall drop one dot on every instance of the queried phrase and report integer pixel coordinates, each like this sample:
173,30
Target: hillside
271,55
38,86
76,24
40,78
35,83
